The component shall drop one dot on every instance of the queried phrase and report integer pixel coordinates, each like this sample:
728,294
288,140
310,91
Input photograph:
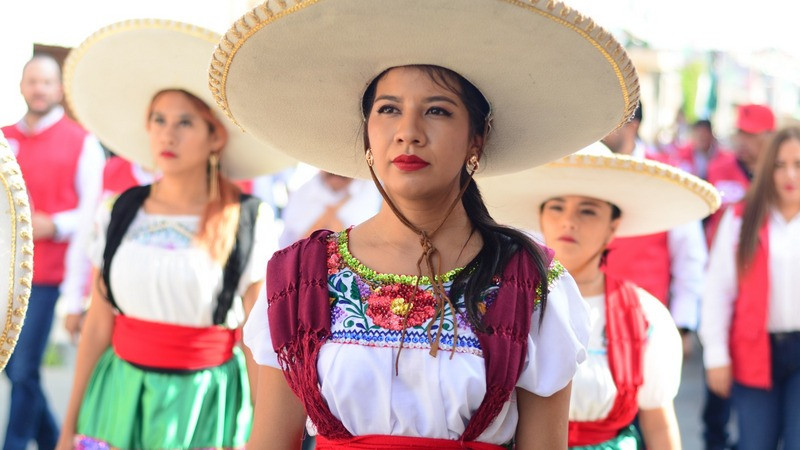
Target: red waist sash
172,347
381,442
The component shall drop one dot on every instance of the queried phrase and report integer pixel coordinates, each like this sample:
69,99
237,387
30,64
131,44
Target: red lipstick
409,163
566,238
168,154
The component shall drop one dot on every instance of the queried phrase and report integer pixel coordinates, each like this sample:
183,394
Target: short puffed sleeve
97,239
557,342
663,355
265,243
256,333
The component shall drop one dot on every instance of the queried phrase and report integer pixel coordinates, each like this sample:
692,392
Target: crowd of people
502,264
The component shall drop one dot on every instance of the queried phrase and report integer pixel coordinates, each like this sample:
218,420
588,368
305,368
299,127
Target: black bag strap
122,214
240,255
124,211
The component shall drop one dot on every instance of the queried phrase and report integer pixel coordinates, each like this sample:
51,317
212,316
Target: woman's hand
720,380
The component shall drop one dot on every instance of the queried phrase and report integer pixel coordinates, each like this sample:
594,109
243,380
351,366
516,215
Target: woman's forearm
95,339
660,428
543,421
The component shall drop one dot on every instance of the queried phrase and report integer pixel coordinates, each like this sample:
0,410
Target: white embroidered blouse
430,397
160,274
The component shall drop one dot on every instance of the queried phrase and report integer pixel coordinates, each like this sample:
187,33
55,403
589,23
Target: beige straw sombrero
292,73
111,77
652,196
16,251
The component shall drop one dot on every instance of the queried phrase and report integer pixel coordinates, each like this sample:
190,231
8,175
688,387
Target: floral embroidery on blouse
369,308
161,233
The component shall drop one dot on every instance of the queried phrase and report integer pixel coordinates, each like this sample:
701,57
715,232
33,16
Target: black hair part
499,242
702,123
637,113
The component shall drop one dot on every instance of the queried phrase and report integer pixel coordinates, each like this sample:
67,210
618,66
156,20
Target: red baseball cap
755,119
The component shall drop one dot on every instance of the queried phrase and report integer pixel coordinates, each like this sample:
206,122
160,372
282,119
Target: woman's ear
477,147
216,143
613,234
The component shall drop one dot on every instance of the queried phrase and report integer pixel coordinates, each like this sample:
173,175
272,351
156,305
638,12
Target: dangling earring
473,164
213,175
368,156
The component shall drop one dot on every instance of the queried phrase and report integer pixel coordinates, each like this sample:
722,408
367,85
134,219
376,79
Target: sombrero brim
16,251
652,196
293,75
111,78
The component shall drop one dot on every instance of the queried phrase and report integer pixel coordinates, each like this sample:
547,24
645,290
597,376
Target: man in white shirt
328,201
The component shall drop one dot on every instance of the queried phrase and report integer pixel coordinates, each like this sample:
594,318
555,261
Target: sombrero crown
293,73
652,196
110,79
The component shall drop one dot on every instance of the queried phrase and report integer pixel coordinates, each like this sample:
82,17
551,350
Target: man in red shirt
731,173
62,167
702,151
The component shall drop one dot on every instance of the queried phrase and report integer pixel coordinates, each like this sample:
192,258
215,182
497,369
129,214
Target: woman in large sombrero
158,365
580,203
429,325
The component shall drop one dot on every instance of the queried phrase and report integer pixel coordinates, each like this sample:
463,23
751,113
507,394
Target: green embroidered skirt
627,439
127,407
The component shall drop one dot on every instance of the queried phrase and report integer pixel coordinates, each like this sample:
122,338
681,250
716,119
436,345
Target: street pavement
57,380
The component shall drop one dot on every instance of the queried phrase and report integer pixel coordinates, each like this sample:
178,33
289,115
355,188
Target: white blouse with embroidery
430,397
593,389
160,274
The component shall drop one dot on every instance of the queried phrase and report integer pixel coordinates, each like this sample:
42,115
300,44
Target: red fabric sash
299,321
626,332
379,442
171,347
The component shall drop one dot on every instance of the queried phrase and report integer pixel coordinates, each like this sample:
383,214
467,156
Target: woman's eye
438,111
589,212
387,109
186,123
158,120
555,208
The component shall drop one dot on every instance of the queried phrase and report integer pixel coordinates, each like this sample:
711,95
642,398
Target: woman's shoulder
553,268
655,312
315,245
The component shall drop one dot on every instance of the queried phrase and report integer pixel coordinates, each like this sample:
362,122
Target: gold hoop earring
369,157
473,164
213,176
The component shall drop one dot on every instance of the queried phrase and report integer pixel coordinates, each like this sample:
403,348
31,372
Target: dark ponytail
499,242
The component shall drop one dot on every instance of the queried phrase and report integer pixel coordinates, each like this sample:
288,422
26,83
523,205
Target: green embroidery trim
554,273
385,278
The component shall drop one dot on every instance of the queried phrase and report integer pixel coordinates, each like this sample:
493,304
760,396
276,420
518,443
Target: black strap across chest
124,212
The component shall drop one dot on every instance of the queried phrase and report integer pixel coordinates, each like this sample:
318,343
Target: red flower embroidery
389,305
334,259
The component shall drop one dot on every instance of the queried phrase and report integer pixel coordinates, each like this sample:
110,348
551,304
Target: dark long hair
761,196
499,242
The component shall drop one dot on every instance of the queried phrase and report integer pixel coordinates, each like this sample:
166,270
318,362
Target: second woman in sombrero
158,365
430,325
580,203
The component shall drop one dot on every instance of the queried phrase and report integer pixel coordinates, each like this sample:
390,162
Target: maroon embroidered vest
299,320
